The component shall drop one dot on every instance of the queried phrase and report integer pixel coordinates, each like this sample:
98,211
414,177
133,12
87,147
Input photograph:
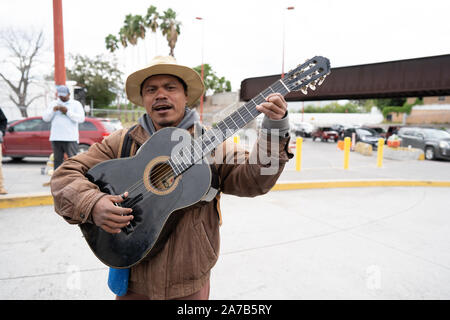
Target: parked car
380,130
29,137
325,134
113,124
366,135
339,128
434,143
303,129
392,130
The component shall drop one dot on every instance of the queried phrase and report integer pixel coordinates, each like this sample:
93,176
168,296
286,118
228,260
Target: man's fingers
116,225
274,107
276,98
119,218
120,198
110,230
268,112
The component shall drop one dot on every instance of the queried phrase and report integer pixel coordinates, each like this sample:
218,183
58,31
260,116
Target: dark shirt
3,122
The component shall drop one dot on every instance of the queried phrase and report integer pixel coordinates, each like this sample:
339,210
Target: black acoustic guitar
170,172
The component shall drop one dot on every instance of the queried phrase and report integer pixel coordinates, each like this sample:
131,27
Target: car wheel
429,153
17,159
83,147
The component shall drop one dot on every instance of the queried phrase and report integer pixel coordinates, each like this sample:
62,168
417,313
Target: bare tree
24,48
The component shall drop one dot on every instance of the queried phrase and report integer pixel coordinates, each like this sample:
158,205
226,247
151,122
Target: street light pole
60,69
202,72
284,31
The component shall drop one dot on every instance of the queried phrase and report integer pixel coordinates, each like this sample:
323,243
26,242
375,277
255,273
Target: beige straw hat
165,65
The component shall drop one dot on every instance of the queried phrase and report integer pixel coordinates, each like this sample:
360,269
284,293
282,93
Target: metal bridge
419,77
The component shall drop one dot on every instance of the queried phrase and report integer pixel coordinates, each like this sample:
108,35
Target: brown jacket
183,266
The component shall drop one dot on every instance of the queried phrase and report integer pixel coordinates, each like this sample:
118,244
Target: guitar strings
168,171
165,172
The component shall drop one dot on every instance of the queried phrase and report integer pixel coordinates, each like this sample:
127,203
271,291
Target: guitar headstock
310,74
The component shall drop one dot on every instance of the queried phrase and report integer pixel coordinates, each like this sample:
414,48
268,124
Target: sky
244,38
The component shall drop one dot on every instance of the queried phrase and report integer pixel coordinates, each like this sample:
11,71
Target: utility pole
202,70
60,68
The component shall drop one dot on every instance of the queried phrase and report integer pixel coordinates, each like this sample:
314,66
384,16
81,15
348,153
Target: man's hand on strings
275,106
110,217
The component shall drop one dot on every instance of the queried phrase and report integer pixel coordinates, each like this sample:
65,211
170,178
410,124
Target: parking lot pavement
353,243
24,177
324,161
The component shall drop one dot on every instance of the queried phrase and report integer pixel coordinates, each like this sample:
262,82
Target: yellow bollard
236,139
380,152
298,154
347,144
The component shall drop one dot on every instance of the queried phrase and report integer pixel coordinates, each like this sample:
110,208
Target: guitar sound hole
162,176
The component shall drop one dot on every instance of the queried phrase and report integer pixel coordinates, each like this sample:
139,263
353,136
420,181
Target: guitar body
154,201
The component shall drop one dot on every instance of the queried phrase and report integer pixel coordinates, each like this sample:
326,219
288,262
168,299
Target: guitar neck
241,117
224,129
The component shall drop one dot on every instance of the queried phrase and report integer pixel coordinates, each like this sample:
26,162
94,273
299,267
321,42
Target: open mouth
162,108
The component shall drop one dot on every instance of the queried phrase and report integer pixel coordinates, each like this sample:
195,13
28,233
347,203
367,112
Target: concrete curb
44,199
26,200
357,184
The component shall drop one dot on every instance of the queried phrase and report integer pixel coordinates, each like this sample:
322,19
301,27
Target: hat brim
195,86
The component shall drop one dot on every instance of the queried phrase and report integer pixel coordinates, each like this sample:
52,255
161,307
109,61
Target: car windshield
365,132
378,130
108,126
436,134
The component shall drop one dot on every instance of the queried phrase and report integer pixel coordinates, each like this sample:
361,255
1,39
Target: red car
29,137
325,134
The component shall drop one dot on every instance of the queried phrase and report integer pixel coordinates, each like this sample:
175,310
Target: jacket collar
140,135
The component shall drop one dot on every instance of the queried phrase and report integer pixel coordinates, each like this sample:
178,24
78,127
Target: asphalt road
367,243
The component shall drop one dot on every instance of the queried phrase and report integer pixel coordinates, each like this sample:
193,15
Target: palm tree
151,19
129,29
135,26
138,27
170,28
111,43
123,36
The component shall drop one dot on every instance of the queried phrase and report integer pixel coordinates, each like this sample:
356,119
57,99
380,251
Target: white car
302,129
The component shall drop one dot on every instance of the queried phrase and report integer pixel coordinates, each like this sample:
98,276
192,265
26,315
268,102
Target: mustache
161,104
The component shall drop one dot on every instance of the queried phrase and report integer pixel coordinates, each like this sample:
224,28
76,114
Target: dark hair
178,78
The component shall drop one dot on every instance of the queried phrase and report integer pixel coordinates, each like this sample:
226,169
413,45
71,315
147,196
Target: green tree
135,26
112,43
212,81
101,78
390,102
151,19
170,28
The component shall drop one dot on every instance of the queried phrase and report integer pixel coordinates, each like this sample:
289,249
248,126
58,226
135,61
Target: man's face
64,98
164,100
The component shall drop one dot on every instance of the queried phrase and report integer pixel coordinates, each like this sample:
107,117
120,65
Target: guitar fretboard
203,145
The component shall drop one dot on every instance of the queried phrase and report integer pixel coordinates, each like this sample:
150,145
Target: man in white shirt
64,114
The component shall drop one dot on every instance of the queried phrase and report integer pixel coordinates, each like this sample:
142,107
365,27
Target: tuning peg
312,85
304,90
321,80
